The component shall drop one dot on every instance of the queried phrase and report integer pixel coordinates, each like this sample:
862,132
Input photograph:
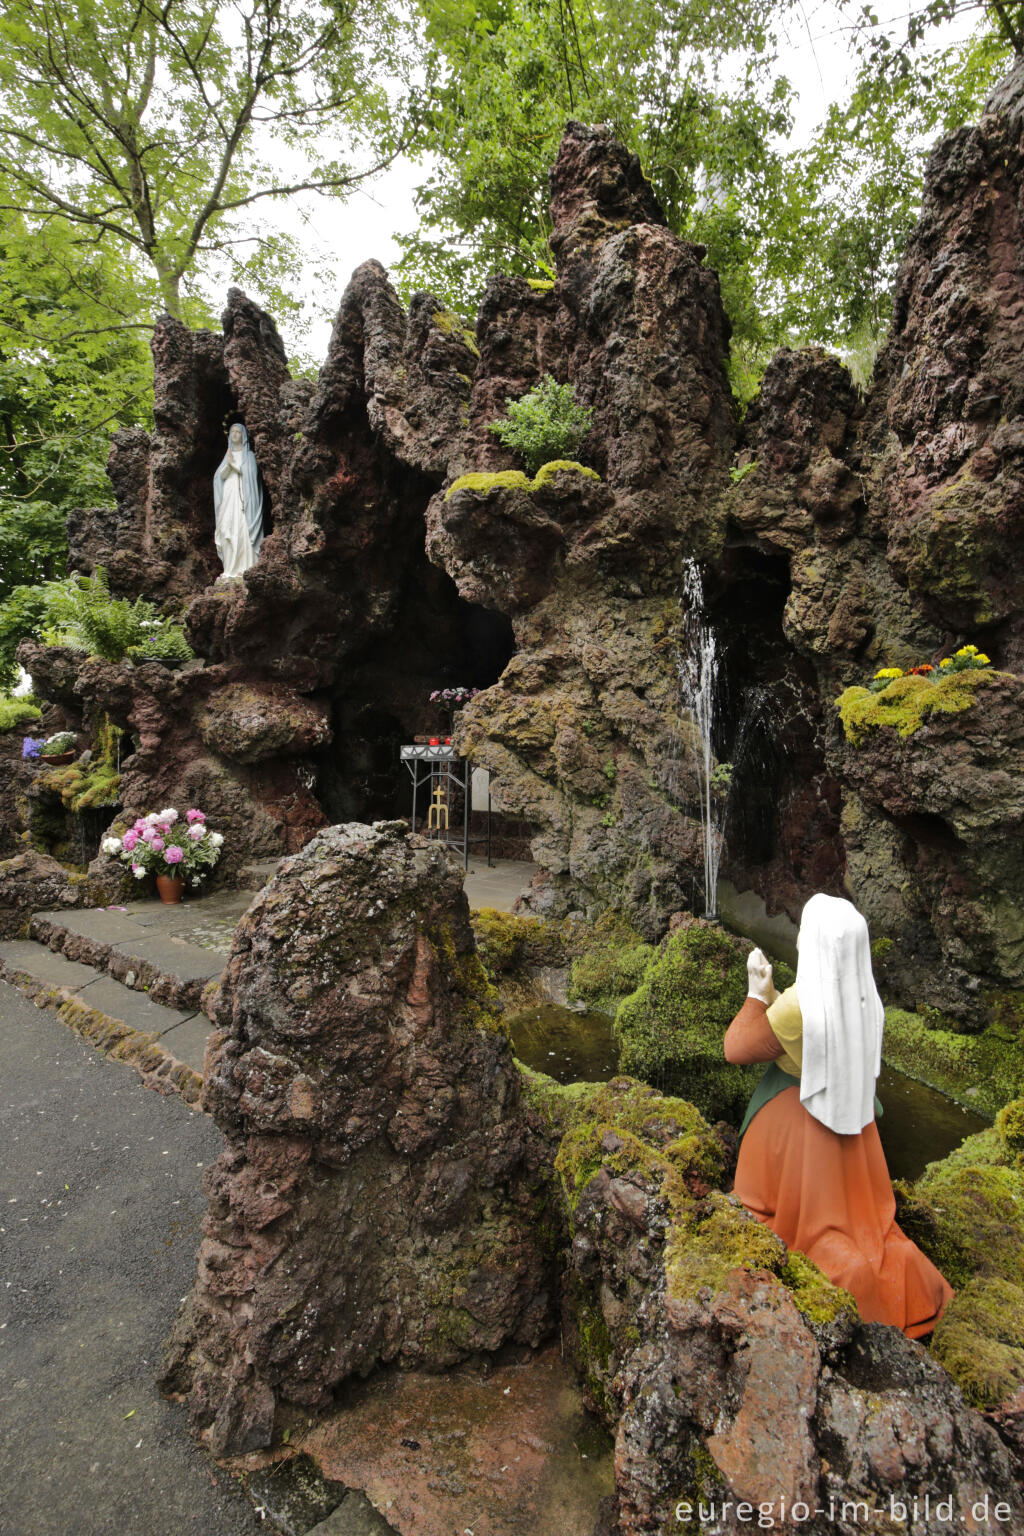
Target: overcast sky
816,56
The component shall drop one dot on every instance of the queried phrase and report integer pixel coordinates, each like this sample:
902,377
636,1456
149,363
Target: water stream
698,678
919,1125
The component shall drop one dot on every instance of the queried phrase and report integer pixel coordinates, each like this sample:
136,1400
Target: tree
144,122
688,84
74,366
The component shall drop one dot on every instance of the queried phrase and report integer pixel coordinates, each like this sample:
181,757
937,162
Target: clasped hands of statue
759,978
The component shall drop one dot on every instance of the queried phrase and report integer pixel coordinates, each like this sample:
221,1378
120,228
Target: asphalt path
100,1205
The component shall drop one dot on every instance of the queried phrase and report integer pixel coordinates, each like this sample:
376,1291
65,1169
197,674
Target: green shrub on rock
16,712
545,424
673,1025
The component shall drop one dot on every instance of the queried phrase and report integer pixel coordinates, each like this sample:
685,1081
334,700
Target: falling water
698,676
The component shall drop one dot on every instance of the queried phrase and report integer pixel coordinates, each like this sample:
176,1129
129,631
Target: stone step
171,953
166,1044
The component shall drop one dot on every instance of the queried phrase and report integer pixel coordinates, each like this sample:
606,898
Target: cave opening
382,700
782,809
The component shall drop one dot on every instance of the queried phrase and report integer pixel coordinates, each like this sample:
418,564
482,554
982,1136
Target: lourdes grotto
563,842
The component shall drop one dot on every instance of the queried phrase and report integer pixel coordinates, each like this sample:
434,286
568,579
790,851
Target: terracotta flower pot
170,888
59,760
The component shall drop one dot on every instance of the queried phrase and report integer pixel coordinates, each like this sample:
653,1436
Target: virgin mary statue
238,505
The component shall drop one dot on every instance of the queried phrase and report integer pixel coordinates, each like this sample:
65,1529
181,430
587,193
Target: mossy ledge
908,703
484,483
982,1072
967,1213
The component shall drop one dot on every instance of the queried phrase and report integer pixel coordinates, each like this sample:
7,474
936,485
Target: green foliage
805,243
908,702
484,482
545,424
74,366
673,1025
85,616
739,472
21,615
136,125
166,642
17,712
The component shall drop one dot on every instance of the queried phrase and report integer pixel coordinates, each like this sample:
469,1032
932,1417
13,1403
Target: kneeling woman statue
811,1164
238,505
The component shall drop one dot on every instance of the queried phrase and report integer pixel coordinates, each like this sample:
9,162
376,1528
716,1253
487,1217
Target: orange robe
830,1196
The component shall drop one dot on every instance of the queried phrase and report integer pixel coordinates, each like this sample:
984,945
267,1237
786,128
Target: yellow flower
980,656
890,672
968,650
947,661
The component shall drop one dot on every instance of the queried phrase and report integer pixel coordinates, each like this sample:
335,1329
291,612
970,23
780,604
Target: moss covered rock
980,1071
967,1213
673,1025
908,703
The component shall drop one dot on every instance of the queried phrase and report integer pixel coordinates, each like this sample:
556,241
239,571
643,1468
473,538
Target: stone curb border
156,1066
159,986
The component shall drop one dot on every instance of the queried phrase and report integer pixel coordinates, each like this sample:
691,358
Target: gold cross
437,817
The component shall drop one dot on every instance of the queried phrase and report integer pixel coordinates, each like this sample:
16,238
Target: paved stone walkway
100,1204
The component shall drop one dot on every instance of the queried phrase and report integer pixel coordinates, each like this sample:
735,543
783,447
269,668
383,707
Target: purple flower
30,746
174,854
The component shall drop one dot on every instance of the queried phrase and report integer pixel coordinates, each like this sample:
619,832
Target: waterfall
698,677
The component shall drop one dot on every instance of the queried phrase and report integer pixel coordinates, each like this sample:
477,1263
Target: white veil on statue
842,1015
238,504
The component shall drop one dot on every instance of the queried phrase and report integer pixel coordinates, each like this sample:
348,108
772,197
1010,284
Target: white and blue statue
238,506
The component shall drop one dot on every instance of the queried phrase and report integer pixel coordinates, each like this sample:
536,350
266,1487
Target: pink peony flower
129,840
193,816
148,834
156,843
196,831
174,854
140,825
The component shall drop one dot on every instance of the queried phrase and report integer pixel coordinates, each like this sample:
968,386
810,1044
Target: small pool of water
570,1047
919,1125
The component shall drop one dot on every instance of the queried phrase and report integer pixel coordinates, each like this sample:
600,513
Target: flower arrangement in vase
177,852
448,700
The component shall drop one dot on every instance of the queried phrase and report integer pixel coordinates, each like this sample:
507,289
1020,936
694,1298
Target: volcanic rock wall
836,534
379,1200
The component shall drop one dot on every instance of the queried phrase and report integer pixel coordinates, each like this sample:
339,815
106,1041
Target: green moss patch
908,703
982,1072
506,942
673,1025
611,964
483,484
626,1127
980,1340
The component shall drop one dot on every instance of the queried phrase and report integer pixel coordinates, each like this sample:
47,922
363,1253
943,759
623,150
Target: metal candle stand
438,770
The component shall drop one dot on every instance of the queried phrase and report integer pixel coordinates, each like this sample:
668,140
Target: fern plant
84,613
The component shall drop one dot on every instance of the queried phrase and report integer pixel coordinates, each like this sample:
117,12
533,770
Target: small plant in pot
178,852
59,748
